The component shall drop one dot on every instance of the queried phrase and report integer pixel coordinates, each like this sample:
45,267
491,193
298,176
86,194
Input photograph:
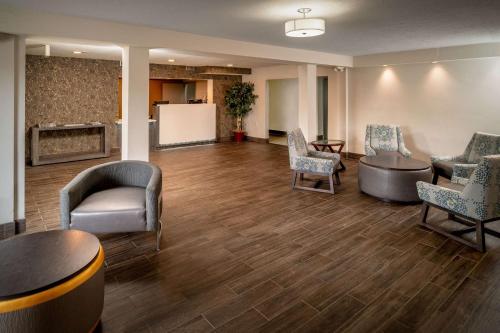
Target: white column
135,103
7,122
308,104
20,76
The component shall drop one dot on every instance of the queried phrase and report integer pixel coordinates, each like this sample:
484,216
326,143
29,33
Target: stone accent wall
74,90
70,90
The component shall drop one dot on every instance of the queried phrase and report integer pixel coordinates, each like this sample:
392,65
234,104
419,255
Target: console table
37,159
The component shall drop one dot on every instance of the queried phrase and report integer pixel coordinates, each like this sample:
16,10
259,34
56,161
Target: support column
20,134
135,104
308,104
7,138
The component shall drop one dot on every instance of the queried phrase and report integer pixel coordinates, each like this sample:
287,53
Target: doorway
322,98
283,109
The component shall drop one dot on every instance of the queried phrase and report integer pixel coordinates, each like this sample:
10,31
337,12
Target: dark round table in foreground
392,178
51,282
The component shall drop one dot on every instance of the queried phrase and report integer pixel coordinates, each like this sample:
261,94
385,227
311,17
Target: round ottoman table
51,282
392,178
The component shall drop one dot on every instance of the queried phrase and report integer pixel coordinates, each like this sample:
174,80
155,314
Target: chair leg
330,179
158,235
435,177
423,213
480,239
337,177
294,178
301,176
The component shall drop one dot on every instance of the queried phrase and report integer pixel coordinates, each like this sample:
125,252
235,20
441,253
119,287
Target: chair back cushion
482,144
297,145
383,137
482,192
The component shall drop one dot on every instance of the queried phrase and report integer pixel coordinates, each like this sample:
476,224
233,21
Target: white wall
257,121
439,106
283,104
7,121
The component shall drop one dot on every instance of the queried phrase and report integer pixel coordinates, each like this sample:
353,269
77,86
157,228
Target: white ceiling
354,27
94,50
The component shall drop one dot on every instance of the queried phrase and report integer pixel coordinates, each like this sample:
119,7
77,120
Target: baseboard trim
277,133
185,144
20,226
256,139
351,156
225,139
7,230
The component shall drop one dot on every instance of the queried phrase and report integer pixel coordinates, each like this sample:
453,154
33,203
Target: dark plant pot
239,136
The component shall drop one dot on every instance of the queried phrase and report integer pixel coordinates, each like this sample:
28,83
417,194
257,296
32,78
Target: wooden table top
391,162
328,142
30,263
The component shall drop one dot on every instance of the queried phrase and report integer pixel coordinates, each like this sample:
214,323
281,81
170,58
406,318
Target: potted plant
239,100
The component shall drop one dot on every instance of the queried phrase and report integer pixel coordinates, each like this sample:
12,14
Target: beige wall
283,104
439,106
257,122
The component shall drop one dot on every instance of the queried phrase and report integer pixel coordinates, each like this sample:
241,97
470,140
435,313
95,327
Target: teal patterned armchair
385,139
462,166
304,160
476,203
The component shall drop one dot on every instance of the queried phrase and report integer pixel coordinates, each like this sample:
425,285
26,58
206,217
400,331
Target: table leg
342,166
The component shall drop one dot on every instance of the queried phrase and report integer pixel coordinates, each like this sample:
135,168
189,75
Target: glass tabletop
328,142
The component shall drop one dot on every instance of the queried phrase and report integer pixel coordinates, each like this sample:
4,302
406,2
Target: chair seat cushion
120,209
444,168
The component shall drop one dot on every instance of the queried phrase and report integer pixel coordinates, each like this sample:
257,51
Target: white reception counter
185,123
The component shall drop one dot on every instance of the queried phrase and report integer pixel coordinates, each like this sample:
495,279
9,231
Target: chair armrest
369,151
463,170
323,154
75,191
401,144
443,197
404,151
154,199
458,158
313,165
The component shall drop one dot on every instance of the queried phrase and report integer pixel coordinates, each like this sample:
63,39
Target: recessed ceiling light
78,52
385,65
230,65
435,62
305,27
171,60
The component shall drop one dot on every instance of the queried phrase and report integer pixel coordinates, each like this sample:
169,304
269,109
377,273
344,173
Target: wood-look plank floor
241,252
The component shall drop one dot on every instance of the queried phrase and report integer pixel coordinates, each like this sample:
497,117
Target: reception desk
185,123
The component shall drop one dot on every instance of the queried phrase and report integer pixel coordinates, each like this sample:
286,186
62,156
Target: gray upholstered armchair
385,139
304,160
123,196
462,166
476,203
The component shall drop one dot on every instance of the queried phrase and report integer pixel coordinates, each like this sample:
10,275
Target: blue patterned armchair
476,203
385,139
462,166
304,160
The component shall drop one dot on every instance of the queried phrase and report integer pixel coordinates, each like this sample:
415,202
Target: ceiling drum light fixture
305,27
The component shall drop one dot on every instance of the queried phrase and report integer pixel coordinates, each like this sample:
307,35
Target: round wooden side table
322,145
51,282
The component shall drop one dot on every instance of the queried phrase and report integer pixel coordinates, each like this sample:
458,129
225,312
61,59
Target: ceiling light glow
305,27
230,65
171,60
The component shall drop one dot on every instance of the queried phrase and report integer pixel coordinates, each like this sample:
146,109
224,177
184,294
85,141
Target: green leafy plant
239,100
